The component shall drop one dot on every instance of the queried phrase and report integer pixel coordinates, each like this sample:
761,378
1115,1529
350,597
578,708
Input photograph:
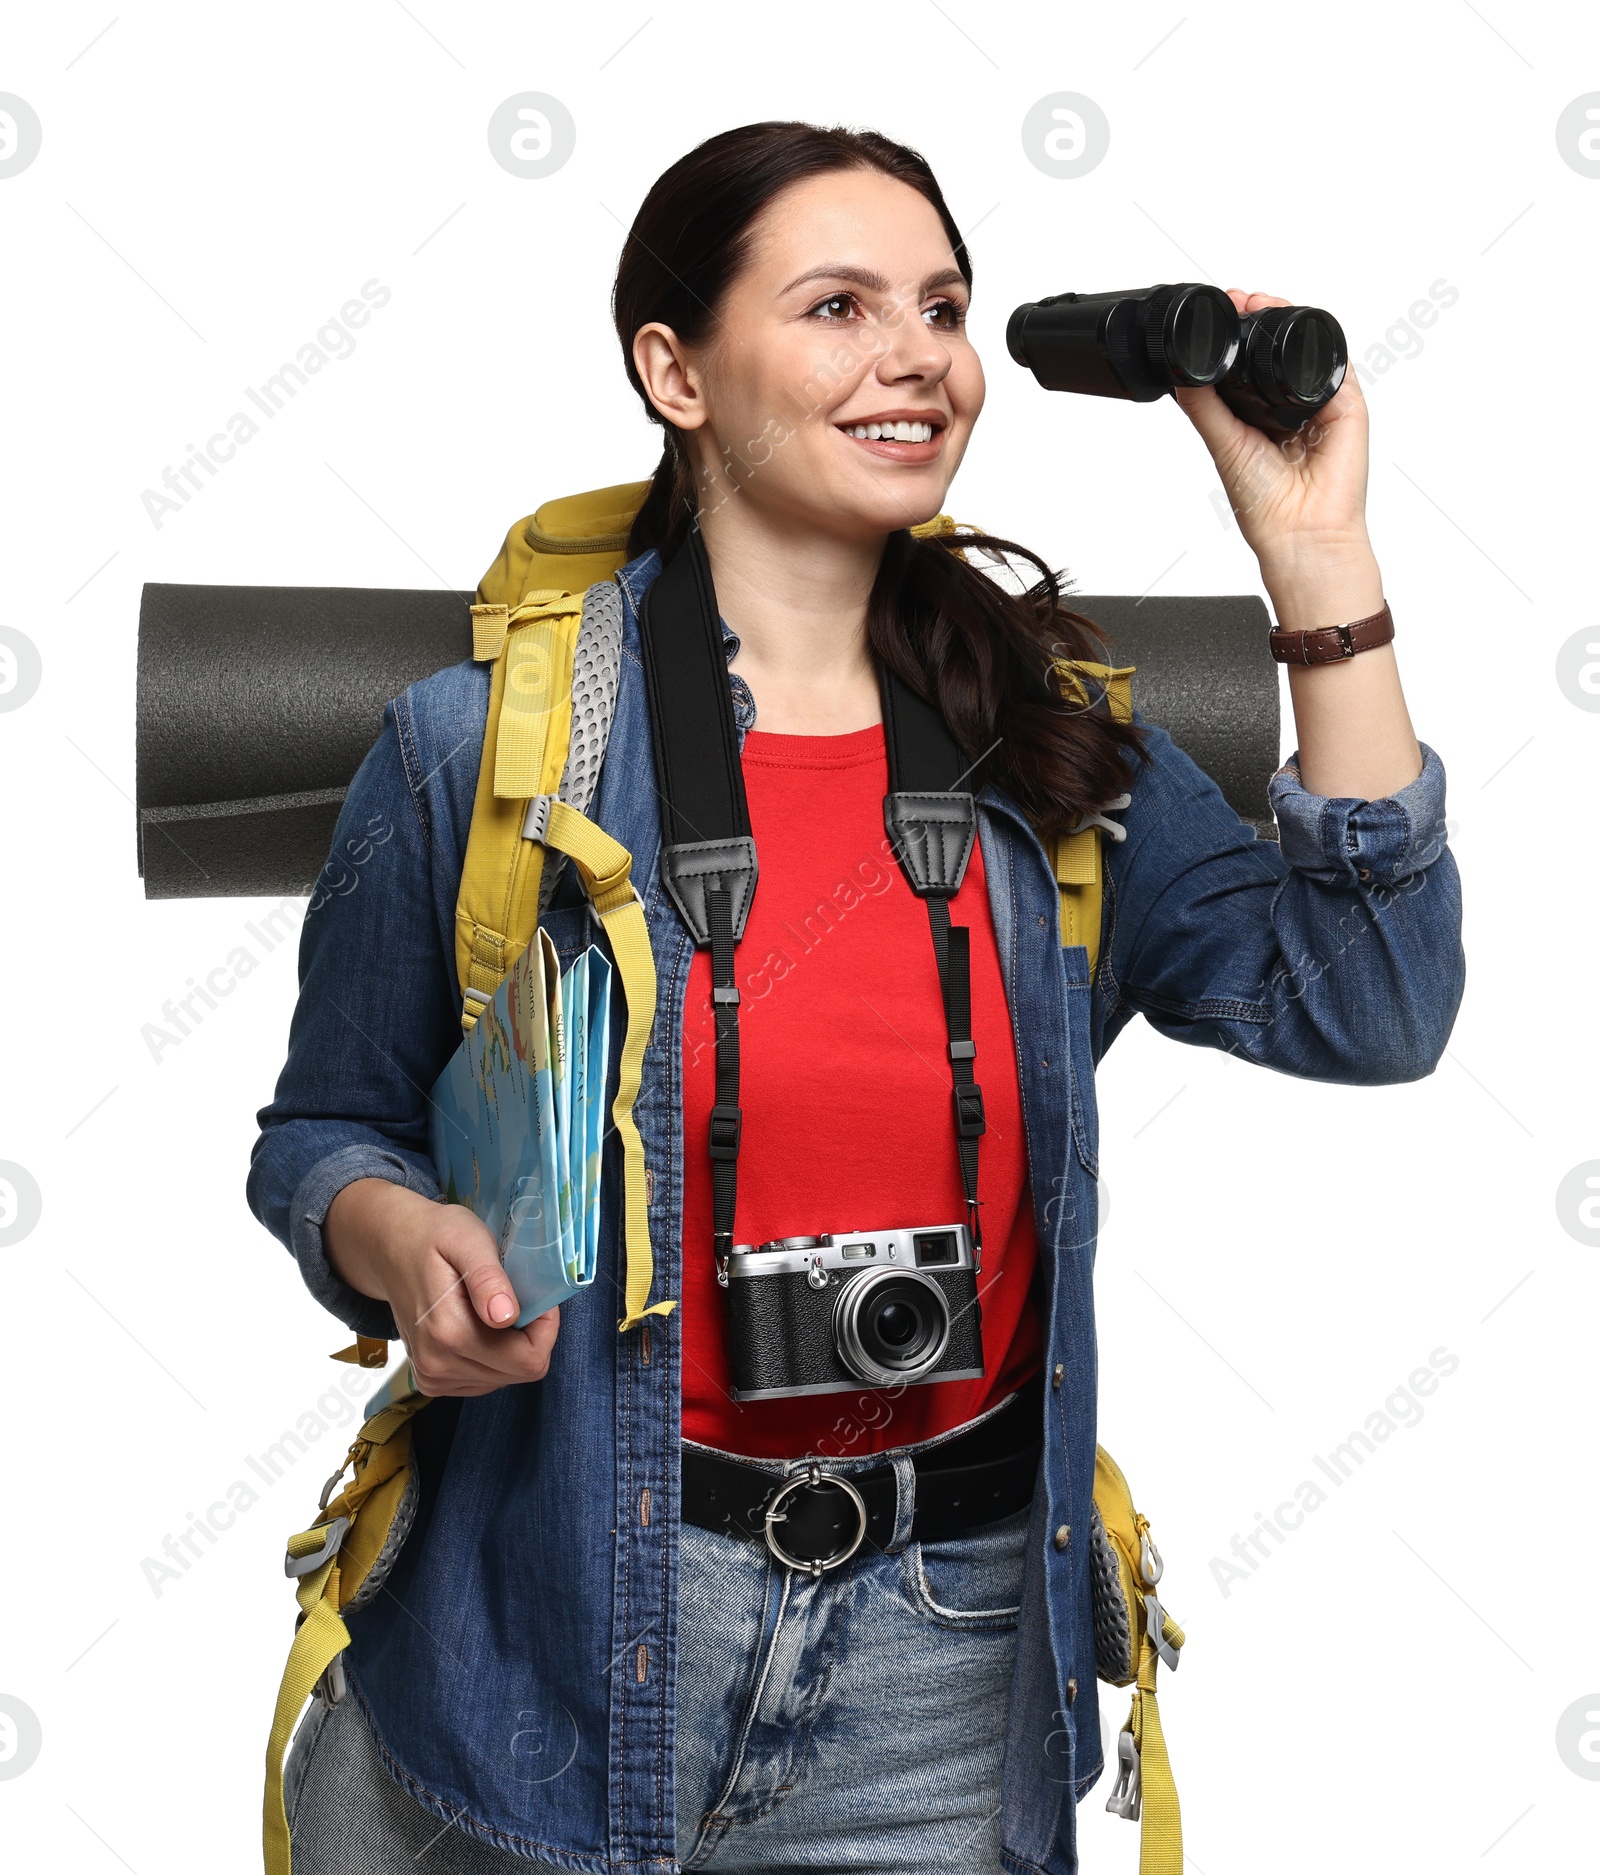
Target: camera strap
708,856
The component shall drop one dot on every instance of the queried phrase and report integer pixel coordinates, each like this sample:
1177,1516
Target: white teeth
893,432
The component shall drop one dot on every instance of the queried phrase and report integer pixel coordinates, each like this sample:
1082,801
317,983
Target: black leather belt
817,1519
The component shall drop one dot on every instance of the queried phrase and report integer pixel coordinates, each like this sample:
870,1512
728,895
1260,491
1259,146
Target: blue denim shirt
518,1669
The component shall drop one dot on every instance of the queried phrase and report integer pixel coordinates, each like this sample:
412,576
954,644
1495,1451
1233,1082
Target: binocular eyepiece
1275,368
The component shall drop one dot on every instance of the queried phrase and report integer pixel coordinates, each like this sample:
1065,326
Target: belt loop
905,1504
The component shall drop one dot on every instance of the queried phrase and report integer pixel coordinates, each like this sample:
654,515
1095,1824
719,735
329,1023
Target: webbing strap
321,1636
1160,1825
1078,882
726,1118
604,866
926,771
1079,857
952,954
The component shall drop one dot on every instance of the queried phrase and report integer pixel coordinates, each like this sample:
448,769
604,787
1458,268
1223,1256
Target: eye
945,315
835,306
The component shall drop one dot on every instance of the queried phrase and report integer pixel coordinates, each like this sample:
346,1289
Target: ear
670,381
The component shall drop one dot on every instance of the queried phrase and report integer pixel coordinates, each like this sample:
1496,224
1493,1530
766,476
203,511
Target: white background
213,184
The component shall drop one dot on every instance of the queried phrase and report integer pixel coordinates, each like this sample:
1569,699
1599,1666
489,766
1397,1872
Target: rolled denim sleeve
1333,954
1348,842
375,1022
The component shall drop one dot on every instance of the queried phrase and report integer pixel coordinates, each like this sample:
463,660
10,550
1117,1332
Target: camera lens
891,1325
897,1324
1197,334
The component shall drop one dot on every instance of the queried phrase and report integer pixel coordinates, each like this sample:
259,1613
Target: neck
798,601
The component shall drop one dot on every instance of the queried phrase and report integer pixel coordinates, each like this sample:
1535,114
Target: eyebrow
872,282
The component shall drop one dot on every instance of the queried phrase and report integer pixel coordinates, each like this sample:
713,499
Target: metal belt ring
813,1474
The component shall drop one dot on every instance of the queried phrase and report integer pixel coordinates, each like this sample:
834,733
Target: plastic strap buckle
536,822
330,1689
1124,1800
969,1110
1155,1624
324,1552
727,1123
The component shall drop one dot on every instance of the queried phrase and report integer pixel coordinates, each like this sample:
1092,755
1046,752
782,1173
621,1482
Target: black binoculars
1275,368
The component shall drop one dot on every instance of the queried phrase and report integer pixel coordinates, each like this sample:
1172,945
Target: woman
569,1665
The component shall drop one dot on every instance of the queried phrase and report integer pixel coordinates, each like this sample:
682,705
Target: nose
914,352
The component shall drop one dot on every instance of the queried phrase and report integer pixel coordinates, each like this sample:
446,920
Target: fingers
462,1335
466,1242
1253,302
452,1353
1219,428
456,1309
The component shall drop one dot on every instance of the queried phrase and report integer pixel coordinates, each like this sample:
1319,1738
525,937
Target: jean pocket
973,1580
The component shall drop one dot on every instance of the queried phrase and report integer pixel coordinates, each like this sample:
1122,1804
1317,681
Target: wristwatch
1331,642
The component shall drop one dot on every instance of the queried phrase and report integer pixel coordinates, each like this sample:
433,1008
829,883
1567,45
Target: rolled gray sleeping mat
257,703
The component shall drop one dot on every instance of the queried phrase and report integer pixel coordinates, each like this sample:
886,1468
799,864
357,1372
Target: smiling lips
898,435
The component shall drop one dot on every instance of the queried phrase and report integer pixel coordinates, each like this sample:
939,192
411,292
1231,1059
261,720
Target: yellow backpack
526,624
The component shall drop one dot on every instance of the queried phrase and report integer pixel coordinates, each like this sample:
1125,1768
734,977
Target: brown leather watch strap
1332,642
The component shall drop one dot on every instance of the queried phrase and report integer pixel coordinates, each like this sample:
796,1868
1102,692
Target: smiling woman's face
848,318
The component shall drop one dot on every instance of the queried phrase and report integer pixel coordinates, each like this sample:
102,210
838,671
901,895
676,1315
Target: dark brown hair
982,654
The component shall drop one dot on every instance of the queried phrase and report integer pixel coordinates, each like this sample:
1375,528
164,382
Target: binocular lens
1308,357
1199,335
1291,361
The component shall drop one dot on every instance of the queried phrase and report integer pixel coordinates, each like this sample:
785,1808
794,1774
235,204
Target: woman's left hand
1299,502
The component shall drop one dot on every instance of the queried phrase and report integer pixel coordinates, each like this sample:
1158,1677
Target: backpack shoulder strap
531,647
521,811
1078,855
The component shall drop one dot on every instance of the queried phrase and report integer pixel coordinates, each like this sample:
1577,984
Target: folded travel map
516,1123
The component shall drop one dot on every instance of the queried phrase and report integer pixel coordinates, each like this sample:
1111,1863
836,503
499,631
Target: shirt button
1363,872
1063,1536
1072,1691
1055,1378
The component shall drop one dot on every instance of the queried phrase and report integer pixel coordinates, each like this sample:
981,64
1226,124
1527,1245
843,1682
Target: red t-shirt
845,1087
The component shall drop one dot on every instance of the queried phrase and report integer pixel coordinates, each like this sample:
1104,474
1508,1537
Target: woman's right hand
438,1268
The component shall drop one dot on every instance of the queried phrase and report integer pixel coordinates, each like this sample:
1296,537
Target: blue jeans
851,1723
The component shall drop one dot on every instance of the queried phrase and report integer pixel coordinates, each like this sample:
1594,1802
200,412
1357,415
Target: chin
902,503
